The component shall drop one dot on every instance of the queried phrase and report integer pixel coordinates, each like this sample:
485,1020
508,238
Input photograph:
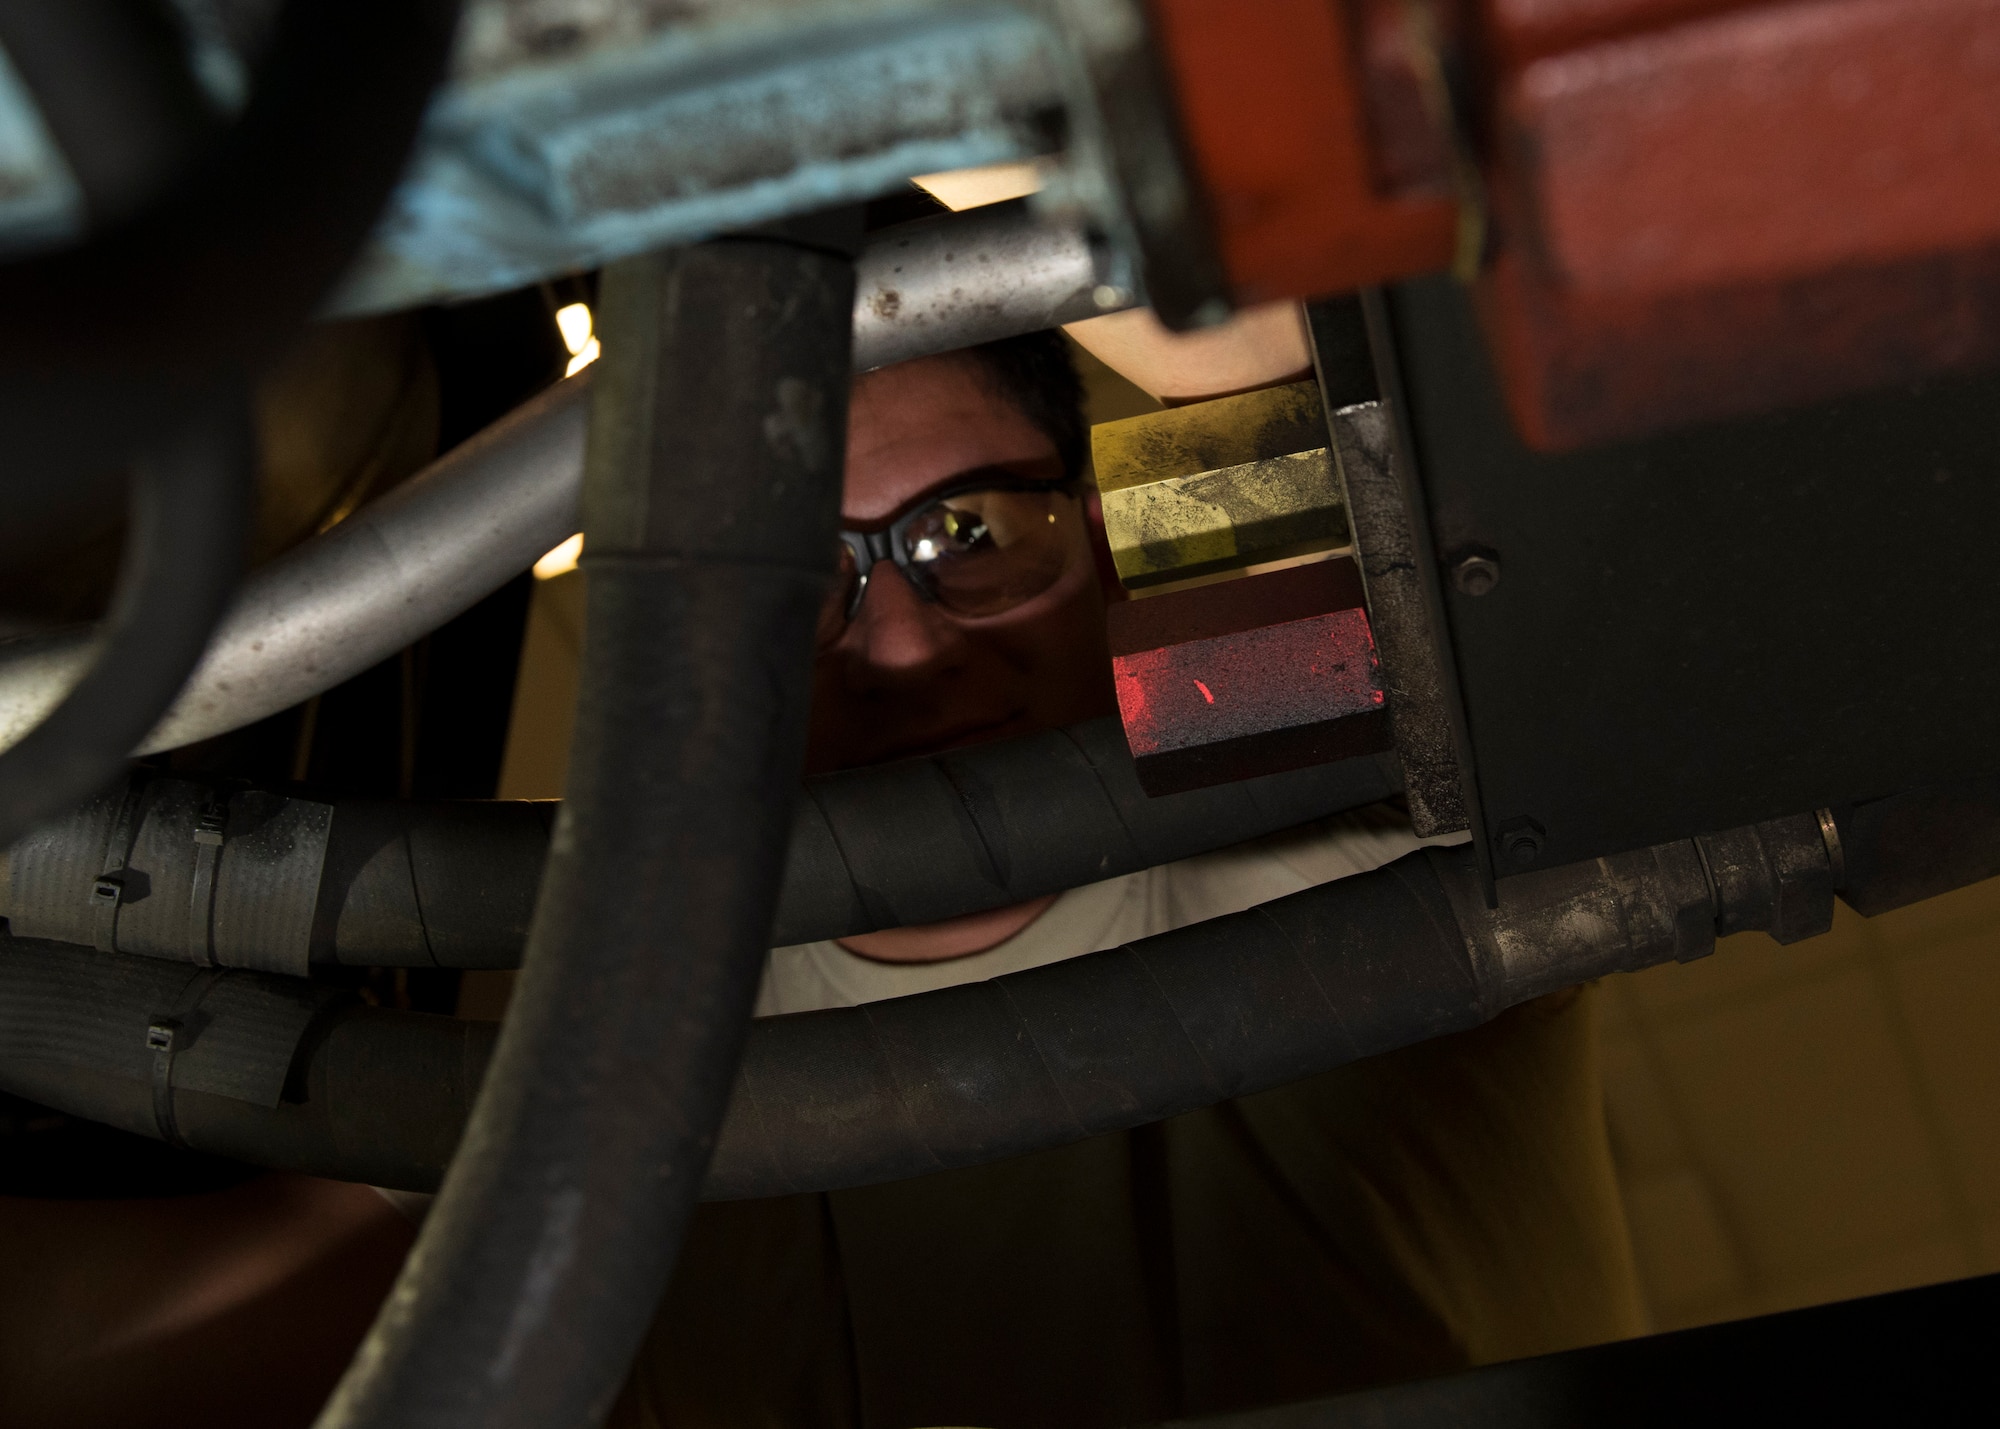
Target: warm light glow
573,322
583,359
961,189
561,561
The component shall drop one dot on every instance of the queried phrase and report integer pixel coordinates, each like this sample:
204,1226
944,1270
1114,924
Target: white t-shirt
808,976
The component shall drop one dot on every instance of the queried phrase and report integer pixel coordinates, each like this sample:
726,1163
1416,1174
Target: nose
899,634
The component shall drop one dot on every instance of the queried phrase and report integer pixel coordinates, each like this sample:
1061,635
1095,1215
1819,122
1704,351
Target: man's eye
965,528
950,533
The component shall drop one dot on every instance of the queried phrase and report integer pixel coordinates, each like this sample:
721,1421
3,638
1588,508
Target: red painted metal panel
1272,108
1761,144
1520,30
1758,206
1579,371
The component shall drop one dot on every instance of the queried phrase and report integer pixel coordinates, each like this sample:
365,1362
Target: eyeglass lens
976,552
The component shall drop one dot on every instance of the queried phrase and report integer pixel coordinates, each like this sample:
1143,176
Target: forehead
914,427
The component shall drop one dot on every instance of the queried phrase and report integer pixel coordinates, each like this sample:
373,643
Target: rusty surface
1254,676
1412,673
1555,927
1274,115
1774,877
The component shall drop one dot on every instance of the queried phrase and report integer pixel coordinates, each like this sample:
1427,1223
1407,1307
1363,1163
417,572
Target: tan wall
1796,1125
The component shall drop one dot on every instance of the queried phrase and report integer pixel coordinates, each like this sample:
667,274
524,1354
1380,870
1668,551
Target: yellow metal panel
1218,485
1218,520
1205,436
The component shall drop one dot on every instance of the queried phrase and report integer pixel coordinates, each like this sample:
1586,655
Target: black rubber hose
711,500
107,339
111,81
853,1095
994,824
848,1096
183,554
912,842
372,1095
406,884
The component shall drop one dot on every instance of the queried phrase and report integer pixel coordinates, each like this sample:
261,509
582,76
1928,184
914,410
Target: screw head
1476,574
1521,842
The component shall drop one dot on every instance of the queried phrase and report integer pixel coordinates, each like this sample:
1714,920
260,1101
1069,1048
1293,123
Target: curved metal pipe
483,512
962,279
341,602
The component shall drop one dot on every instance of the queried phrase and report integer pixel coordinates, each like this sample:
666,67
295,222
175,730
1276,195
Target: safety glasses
978,549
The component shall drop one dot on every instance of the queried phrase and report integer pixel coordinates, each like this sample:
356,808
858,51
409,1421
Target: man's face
908,676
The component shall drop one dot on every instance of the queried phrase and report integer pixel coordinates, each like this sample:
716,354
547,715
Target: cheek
1060,632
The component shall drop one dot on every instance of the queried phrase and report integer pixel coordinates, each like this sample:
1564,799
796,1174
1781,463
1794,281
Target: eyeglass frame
870,548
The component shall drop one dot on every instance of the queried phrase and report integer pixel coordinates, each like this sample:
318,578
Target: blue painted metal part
41,205
751,112
574,132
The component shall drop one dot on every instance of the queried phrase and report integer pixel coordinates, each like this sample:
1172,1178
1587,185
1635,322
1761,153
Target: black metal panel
1915,1357
1713,627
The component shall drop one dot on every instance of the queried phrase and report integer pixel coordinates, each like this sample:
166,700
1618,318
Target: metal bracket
1411,673
1427,579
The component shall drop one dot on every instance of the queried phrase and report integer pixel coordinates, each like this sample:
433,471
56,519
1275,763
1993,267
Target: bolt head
1521,842
1475,574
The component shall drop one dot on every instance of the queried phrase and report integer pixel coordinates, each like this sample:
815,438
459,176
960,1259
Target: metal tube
963,279
481,514
345,600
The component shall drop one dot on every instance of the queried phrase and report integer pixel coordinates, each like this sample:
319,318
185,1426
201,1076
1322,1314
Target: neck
953,938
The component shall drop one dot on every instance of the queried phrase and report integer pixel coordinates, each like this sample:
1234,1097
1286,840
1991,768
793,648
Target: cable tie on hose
208,830
166,1035
163,1039
107,892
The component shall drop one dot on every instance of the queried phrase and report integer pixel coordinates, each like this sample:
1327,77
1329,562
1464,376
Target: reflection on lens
975,553
983,552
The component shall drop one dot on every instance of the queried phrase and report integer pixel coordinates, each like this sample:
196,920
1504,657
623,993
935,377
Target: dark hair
1036,373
